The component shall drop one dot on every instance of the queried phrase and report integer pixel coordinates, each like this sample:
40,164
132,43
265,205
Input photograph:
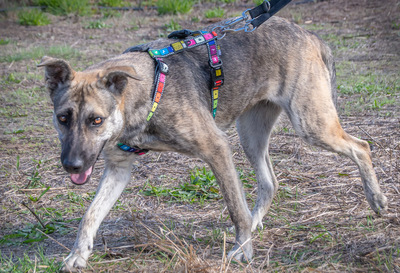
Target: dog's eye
97,121
62,119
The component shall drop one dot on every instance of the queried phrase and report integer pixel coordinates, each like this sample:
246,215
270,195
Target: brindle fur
277,67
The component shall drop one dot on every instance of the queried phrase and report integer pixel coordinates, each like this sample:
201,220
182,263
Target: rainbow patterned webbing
197,39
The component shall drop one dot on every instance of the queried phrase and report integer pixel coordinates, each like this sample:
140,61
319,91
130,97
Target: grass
4,41
98,24
113,3
65,7
202,186
36,53
215,13
39,263
368,91
173,25
33,17
174,6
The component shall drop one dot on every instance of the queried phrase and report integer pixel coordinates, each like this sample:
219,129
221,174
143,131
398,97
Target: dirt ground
320,220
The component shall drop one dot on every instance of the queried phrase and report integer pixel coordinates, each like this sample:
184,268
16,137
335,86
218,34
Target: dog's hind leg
114,180
254,128
315,119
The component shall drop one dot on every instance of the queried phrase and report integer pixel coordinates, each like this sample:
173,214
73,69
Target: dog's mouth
81,178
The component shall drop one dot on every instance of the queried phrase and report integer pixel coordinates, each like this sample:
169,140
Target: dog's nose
73,166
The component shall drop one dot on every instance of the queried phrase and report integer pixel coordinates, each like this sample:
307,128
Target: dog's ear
115,78
56,72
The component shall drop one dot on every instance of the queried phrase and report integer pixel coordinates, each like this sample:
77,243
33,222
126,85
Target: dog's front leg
114,180
219,157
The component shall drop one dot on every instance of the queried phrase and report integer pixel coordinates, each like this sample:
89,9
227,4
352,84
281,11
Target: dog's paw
238,255
73,263
241,254
378,203
256,222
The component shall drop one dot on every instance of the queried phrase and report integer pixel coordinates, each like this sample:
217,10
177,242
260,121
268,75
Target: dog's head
86,111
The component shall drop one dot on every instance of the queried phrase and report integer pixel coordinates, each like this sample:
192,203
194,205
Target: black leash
266,10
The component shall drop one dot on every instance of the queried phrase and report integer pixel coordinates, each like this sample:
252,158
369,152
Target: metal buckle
247,27
268,4
246,16
217,65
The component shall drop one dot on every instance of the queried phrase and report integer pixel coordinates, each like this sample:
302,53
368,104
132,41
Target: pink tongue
80,178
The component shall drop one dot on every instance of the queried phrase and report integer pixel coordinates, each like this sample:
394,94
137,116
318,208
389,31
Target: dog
280,66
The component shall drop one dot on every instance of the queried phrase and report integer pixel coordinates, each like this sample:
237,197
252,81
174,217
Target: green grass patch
32,233
258,2
215,13
110,13
36,53
369,91
219,1
33,17
174,6
65,7
202,186
26,97
99,24
113,3
4,41
40,263
172,26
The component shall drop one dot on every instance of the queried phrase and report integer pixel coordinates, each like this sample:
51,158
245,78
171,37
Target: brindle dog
278,67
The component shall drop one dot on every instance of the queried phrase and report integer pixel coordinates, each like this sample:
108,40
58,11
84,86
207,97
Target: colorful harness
196,39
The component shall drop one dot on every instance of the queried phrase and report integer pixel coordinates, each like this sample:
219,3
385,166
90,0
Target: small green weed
112,3
25,264
174,6
37,198
396,25
202,186
35,177
99,24
215,13
258,2
173,25
220,1
11,78
33,233
214,236
109,13
4,41
65,7
321,235
247,179
34,17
